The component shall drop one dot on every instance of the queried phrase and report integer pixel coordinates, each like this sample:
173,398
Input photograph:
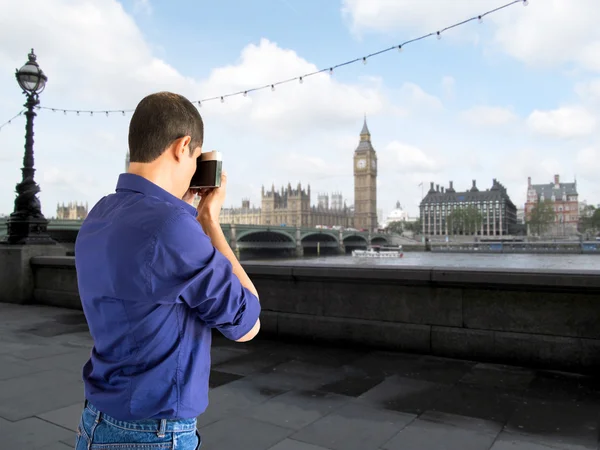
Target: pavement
288,396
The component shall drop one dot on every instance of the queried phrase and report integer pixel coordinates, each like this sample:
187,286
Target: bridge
298,241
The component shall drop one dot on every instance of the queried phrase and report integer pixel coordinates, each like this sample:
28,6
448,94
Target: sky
514,96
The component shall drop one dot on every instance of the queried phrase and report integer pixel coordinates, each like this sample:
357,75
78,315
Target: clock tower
365,182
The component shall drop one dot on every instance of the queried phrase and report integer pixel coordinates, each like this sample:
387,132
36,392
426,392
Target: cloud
565,122
448,86
546,33
403,158
319,103
587,163
488,115
589,90
417,99
143,7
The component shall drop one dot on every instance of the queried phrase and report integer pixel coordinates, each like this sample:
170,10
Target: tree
541,217
395,227
465,220
589,220
414,227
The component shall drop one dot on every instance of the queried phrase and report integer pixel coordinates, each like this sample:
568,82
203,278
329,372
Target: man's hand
189,196
211,202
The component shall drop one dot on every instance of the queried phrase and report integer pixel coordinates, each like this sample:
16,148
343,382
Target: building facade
398,215
565,200
365,182
498,213
71,211
292,206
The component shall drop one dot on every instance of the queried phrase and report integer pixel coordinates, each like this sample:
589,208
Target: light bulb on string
53,110
400,49
300,80
331,71
92,113
77,112
480,19
222,100
525,2
123,112
245,93
106,113
364,60
65,112
272,88
439,35
199,104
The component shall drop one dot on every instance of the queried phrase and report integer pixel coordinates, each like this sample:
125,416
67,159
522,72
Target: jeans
97,431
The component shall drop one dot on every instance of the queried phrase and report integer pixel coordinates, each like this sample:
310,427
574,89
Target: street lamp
27,224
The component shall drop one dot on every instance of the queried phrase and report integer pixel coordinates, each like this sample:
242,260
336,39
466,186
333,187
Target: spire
365,129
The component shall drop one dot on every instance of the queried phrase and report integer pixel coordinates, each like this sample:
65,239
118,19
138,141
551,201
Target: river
479,260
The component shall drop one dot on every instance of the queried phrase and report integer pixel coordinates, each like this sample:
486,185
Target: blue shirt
152,287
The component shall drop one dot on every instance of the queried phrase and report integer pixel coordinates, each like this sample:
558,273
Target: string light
329,69
9,121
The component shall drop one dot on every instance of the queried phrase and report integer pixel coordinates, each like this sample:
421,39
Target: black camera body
208,171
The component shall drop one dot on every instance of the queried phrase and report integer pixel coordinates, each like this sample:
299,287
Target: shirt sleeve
184,266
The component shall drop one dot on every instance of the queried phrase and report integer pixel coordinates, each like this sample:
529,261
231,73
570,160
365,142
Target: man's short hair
158,120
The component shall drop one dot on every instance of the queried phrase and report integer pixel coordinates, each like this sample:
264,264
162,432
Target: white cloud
142,6
488,115
413,95
448,86
545,33
564,122
589,90
587,163
320,102
403,158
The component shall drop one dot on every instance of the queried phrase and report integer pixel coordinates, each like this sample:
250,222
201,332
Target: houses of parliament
291,206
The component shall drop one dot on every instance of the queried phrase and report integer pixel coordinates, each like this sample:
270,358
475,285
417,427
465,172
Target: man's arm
215,233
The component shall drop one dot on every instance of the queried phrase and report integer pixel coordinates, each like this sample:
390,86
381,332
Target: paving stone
290,444
67,417
509,441
448,434
353,385
218,378
39,380
39,401
483,403
233,398
557,423
72,361
12,367
560,386
31,434
354,427
59,446
403,395
296,409
252,362
295,375
43,351
501,376
242,433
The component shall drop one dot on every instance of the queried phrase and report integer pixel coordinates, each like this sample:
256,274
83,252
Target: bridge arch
319,237
355,241
380,240
266,239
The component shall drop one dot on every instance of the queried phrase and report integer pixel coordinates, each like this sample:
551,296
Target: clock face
361,163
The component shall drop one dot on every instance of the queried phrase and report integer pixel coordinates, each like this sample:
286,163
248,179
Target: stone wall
534,318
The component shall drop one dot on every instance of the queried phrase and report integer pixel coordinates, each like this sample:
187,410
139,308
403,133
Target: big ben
365,182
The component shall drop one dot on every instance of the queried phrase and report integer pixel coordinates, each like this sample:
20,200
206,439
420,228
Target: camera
208,171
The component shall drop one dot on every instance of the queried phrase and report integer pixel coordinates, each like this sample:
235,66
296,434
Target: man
155,276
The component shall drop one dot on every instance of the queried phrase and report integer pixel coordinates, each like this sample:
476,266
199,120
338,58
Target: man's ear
180,147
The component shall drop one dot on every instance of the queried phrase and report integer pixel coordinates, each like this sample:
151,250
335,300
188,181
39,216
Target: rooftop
286,396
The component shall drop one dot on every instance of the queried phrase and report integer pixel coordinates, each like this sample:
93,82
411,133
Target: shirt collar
136,183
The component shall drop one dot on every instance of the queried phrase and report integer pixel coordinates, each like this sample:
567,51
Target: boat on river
379,252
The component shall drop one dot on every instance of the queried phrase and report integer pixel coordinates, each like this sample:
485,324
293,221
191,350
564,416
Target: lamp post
27,224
